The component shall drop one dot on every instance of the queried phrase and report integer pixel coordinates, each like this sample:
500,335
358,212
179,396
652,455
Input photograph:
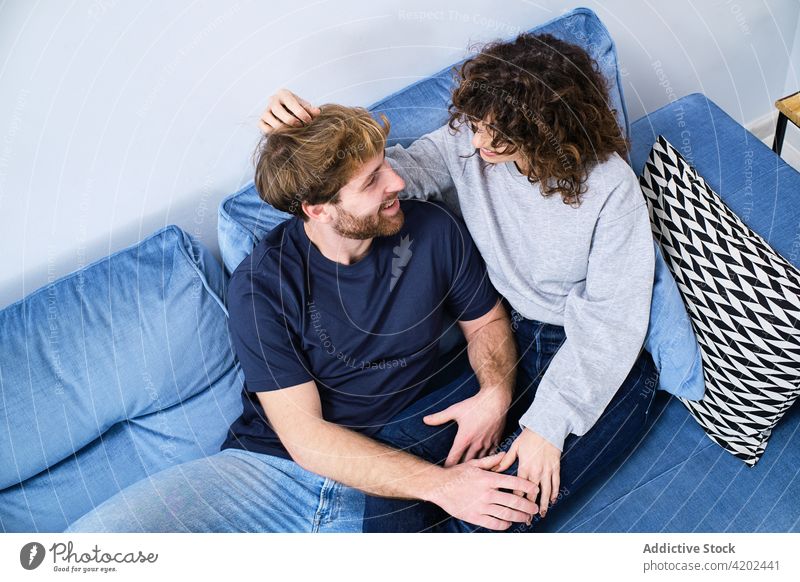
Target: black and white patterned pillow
743,299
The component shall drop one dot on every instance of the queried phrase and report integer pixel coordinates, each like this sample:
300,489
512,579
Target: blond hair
311,163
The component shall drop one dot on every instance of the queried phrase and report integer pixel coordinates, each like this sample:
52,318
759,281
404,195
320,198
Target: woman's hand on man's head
286,108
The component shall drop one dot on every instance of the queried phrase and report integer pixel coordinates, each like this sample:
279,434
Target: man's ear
317,212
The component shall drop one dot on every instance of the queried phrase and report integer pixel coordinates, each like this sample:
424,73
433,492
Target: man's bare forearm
363,463
493,356
471,491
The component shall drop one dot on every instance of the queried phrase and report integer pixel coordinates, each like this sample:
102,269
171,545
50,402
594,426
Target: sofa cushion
112,373
670,338
422,107
674,479
744,300
243,220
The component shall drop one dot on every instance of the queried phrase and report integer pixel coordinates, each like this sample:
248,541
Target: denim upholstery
125,368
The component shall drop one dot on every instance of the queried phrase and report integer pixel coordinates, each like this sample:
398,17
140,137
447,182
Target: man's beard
366,227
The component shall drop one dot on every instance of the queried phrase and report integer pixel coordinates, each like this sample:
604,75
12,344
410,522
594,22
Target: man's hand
472,492
539,463
480,420
286,108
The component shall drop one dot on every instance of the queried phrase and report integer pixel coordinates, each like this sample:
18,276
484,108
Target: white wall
792,139
117,118
793,66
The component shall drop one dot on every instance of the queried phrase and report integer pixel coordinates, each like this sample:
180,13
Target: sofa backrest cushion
107,361
414,111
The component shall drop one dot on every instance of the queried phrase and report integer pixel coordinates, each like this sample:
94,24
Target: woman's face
482,141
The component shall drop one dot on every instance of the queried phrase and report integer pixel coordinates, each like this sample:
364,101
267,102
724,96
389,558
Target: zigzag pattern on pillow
743,299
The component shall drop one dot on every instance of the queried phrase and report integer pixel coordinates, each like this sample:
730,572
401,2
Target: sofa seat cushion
678,480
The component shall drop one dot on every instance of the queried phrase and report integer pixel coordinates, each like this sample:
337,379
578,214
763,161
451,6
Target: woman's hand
539,463
480,418
286,108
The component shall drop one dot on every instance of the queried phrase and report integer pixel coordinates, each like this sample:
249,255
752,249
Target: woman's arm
424,168
605,321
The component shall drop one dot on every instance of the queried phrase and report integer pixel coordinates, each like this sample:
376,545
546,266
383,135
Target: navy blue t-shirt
367,333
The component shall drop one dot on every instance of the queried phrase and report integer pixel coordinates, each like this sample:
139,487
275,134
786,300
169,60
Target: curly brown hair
547,99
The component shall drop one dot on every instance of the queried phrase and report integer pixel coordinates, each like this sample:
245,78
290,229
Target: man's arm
492,351
481,418
470,491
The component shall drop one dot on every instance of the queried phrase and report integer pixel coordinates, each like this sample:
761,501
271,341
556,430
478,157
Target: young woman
533,160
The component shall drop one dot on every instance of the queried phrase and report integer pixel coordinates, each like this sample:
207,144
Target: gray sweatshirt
589,269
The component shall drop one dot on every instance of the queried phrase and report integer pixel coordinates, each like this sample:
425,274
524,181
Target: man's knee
111,517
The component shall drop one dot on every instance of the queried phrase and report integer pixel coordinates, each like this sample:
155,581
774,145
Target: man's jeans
234,491
231,491
618,428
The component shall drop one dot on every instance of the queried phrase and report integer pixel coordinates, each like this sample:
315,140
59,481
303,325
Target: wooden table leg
780,132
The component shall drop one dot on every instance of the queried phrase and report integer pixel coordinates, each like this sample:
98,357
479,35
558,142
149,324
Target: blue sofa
125,367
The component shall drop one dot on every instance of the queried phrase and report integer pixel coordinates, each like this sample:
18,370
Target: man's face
368,206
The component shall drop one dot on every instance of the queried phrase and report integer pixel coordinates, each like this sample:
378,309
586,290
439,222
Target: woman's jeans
618,428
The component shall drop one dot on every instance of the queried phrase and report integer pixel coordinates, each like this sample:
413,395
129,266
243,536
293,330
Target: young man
335,317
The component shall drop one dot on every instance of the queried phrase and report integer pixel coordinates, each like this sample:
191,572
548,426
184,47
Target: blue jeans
231,491
618,428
